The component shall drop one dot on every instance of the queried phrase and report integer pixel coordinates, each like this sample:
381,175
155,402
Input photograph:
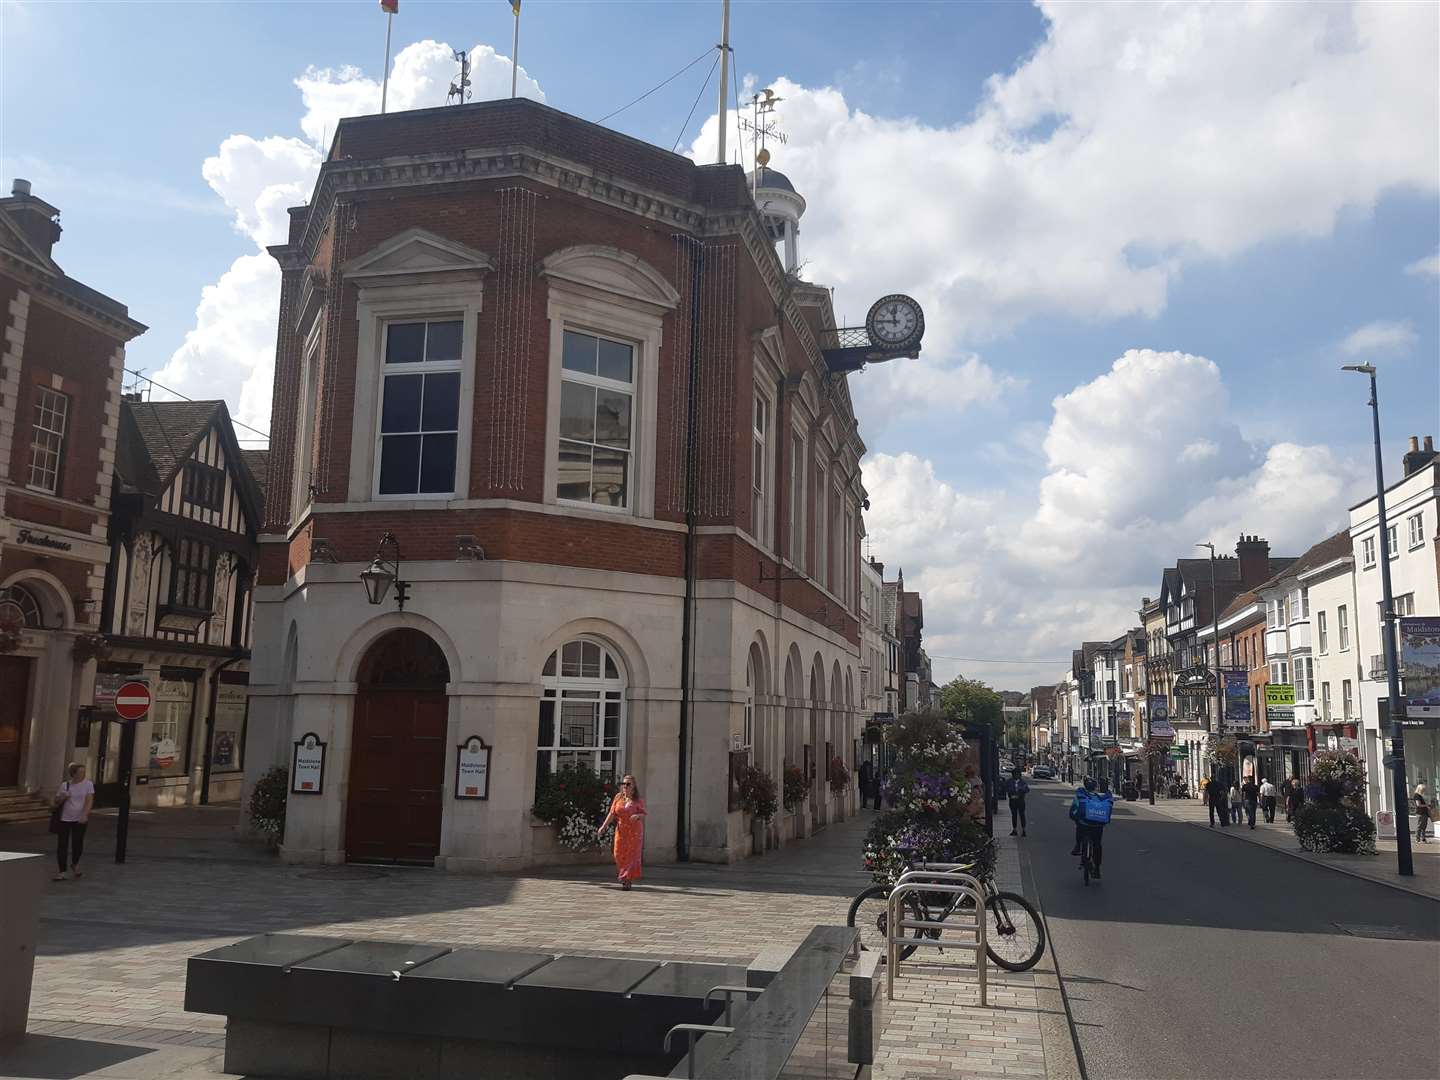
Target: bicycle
1087,863
1015,943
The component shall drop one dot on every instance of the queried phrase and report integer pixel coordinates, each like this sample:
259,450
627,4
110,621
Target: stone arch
794,693
347,664
53,598
628,653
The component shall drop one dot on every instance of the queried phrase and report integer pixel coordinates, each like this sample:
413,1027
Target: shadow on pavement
50,1057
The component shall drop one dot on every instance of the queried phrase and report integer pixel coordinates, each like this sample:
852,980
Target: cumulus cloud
1426,267
892,391
230,352
1134,139
1379,336
1133,479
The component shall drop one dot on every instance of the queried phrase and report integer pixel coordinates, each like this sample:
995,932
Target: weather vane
460,91
764,124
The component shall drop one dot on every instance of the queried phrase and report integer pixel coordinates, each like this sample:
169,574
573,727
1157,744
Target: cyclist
1091,814
1081,794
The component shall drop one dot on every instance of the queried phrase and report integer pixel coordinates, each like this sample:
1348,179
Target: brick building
61,362
497,322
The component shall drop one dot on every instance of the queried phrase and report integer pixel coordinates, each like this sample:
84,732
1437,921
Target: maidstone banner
1237,702
1420,664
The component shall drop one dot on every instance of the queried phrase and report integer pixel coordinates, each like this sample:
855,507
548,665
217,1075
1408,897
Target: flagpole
515,50
724,76
385,77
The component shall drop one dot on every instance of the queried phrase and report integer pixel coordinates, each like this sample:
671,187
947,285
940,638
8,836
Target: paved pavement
1380,867
109,983
1201,956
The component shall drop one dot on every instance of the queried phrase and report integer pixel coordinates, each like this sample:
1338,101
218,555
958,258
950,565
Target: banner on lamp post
1237,702
1420,664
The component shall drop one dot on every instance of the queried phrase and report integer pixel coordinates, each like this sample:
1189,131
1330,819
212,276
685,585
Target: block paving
111,964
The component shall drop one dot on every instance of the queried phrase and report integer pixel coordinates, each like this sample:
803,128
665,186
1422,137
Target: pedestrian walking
1250,795
1297,799
866,772
1424,811
1016,789
73,803
1267,800
1234,804
627,811
1215,801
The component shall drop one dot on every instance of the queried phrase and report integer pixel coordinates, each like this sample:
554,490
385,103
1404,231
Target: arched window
749,733
26,608
582,711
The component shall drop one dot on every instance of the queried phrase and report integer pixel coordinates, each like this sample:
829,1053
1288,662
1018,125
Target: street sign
132,701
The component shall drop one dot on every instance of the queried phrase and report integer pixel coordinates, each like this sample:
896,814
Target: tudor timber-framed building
495,322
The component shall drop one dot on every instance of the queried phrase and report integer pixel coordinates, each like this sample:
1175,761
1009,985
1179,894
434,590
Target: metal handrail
894,922
730,992
691,1030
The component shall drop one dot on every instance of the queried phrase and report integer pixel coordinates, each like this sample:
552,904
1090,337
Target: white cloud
1136,138
1426,267
1133,479
893,390
1379,336
230,352
420,78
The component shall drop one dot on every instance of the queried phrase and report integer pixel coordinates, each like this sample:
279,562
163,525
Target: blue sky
1059,186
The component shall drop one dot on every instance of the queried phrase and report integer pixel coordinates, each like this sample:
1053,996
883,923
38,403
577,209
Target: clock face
895,320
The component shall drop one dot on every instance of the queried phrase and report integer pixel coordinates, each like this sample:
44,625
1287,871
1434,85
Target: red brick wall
57,345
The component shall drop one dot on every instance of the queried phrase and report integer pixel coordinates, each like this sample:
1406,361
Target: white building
1412,508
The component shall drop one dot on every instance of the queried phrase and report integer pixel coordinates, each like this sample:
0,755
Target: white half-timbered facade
177,604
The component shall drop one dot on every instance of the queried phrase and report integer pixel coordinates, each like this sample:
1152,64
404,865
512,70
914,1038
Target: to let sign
472,769
132,701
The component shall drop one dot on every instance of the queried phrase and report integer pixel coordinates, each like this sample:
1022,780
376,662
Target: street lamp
384,572
1392,673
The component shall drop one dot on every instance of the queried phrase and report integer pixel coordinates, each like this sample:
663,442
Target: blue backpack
1096,809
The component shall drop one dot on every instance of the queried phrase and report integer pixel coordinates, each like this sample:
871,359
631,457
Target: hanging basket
90,647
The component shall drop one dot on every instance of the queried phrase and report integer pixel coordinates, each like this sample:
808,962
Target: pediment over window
417,254
611,270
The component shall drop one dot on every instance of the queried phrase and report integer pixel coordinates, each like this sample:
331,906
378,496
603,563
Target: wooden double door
397,776
14,697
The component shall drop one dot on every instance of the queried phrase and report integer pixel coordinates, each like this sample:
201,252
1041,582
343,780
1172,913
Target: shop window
582,711
597,393
420,408
227,751
171,715
47,438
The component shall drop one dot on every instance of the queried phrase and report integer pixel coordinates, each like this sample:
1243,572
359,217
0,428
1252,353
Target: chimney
1416,458
1254,555
35,217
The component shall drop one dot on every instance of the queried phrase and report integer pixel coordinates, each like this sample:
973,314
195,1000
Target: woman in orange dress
627,810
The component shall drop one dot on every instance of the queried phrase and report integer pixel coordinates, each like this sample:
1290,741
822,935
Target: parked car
1043,772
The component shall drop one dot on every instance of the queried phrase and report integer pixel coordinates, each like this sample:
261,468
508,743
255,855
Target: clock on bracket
895,321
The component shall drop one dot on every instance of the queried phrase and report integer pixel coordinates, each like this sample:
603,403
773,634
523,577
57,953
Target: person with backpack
1091,811
1015,790
1217,803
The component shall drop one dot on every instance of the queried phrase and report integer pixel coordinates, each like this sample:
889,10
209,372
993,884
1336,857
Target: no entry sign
132,701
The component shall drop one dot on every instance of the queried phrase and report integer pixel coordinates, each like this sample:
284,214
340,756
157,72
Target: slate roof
1325,552
258,462
169,431
773,178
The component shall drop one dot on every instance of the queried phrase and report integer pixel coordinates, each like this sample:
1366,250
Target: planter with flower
574,801
795,790
759,799
1336,820
930,820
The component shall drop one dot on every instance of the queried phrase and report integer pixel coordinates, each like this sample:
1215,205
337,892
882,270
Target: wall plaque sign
472,769
307,768
42,540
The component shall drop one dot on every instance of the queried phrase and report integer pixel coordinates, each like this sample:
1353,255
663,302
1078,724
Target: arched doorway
20,609
397,757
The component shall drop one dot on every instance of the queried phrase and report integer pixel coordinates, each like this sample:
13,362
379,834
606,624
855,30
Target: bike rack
934,881
691,1030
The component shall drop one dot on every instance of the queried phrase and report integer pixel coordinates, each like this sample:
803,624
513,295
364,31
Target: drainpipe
692,464
210,727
